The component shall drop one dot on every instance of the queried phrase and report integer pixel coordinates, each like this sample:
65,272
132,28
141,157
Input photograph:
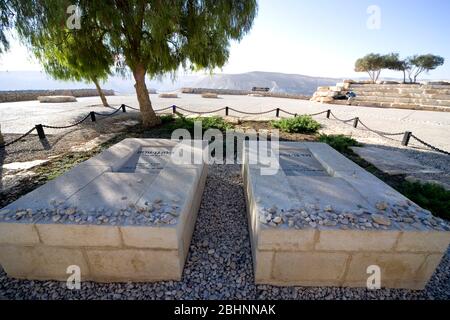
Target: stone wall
27,95
244,92
388,94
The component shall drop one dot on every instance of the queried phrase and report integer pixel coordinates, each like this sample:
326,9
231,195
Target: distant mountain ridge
277,82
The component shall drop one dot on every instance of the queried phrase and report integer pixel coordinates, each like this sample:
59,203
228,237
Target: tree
5,23
392,61
418,64
372,63
153,36
67,59
6,15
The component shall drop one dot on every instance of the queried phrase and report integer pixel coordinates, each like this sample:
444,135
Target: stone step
404,95
401,106
445,91
402,86
413,101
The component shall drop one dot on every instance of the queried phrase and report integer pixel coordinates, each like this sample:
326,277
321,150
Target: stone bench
56,99
127,214
321,220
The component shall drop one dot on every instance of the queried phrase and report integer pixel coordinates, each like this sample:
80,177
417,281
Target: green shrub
166,118
300,124
339,142
429,196
214,122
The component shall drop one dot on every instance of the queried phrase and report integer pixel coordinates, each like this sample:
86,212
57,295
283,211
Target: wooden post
40,131
406,138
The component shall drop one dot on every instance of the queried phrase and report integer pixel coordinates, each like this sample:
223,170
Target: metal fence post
278,112
123,108
328,113
40,131
92,113
355,122
226,111
406,138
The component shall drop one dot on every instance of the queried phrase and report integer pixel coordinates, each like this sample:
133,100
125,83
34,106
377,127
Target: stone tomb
321,220
127,214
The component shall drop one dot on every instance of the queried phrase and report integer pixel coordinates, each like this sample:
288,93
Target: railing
407,135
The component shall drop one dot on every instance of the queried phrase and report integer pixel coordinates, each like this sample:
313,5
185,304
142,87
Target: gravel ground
219,265
61,141
415,150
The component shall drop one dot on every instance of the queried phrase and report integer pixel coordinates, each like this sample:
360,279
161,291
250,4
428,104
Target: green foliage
339,142
166,118
429,196
300,124
418,64
151,36
372,63
5,24
214,122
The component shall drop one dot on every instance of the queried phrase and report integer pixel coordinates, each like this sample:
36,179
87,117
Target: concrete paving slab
392,161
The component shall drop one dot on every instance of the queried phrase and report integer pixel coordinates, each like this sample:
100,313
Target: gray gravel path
219,265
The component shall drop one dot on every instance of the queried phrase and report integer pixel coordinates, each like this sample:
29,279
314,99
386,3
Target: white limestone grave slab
133,203
321,220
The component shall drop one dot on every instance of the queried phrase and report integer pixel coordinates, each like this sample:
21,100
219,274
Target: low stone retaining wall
28,95
323,221
244,92
431,96
119,216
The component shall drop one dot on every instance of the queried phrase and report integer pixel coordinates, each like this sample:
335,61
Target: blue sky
325,37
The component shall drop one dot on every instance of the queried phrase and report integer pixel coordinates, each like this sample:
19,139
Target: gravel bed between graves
219,265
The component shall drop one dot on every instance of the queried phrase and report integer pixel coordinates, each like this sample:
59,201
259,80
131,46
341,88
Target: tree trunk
100,92
404,76
149,117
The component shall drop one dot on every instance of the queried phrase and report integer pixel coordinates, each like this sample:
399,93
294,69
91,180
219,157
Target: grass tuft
300,124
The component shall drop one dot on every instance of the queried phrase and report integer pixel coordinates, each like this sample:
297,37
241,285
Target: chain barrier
66,127
429,145
381,133
17,139
345,121
106,114
356,119
201,112
252,113
318,113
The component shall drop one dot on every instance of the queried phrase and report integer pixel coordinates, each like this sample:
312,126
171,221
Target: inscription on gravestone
148,160
300,162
